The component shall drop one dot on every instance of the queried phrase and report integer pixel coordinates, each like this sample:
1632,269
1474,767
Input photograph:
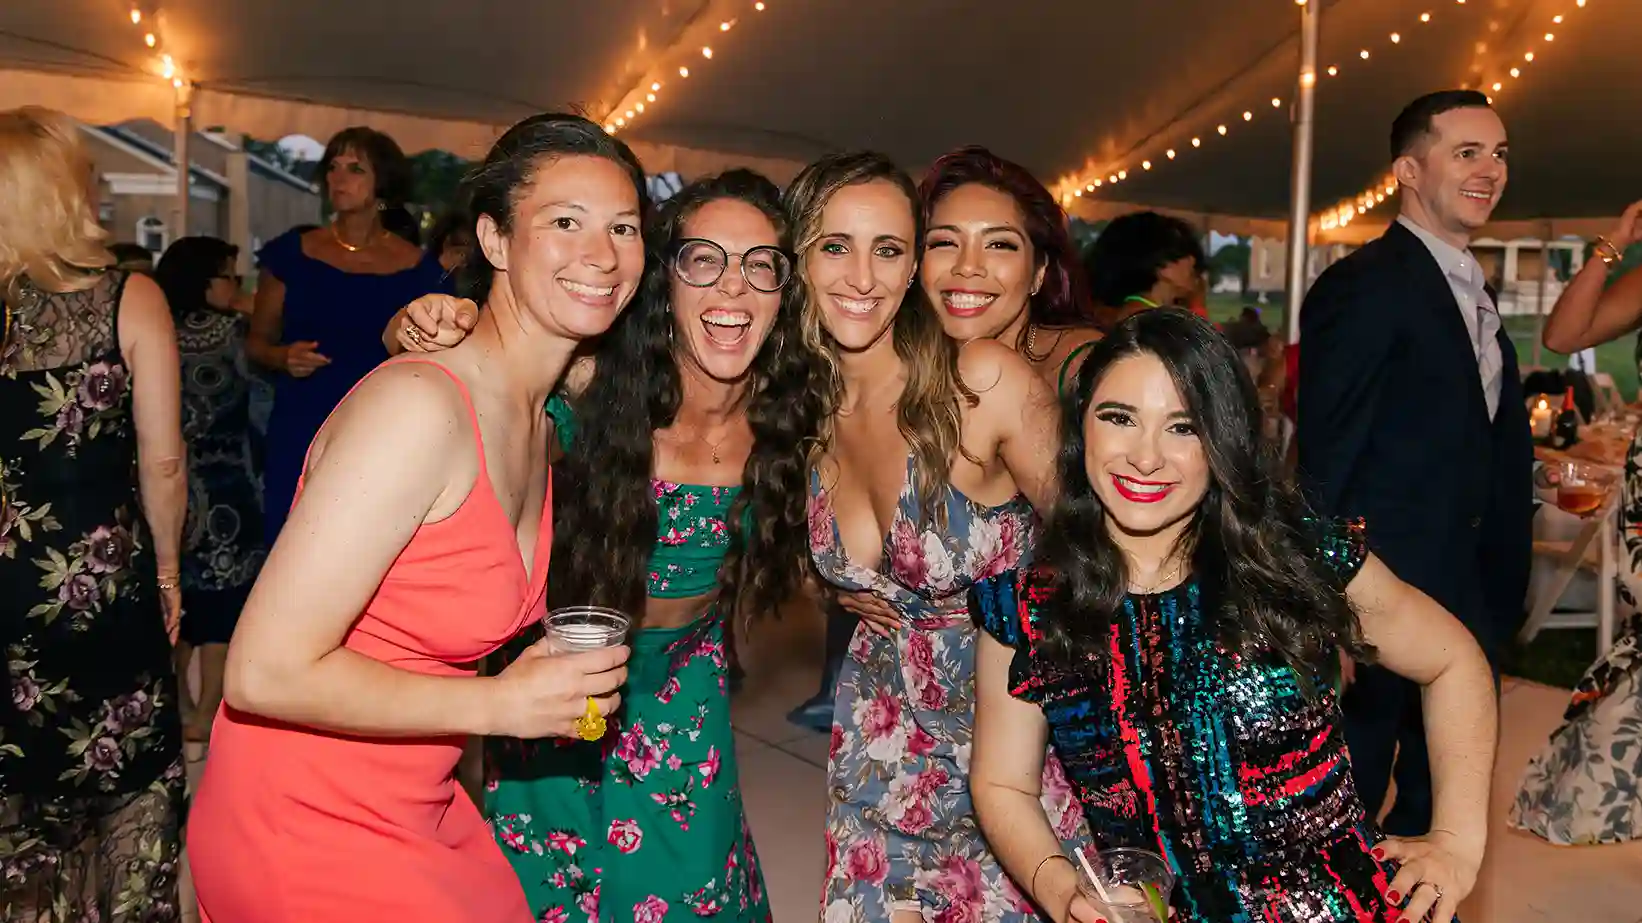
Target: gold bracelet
1032,887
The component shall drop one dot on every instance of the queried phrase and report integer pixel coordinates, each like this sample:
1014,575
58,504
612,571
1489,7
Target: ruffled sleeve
282,256
1343,545
995,604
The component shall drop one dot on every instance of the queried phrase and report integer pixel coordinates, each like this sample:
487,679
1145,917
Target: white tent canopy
1075,91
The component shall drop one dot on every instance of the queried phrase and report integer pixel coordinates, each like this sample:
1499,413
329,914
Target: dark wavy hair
1252,541
1125,258
187,268
1063,299
495,185
606,525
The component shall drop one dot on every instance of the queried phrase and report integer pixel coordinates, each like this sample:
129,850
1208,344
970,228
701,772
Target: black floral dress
91,773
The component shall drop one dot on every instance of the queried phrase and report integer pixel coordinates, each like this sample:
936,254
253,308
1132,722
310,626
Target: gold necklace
713,446
1148,591
337,235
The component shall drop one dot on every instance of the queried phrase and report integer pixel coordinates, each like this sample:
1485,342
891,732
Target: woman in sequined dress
1178,644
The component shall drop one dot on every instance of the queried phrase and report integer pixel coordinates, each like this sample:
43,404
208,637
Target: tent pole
1544,280
180,139
1300,188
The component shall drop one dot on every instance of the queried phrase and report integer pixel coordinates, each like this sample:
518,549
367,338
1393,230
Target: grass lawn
1559,657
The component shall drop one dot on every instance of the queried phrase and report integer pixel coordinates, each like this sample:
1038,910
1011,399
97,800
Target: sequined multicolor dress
1219,763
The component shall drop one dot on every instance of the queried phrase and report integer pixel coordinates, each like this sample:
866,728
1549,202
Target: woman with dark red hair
998,263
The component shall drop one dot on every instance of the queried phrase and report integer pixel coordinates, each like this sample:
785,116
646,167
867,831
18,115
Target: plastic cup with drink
1126,885
586,628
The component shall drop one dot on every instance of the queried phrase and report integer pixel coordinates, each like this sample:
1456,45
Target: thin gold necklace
369,239
1148,591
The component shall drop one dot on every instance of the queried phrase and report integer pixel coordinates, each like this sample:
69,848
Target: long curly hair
1063,299
929,415
606,525
1251,542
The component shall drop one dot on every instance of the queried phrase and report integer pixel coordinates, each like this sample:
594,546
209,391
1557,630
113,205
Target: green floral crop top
692,525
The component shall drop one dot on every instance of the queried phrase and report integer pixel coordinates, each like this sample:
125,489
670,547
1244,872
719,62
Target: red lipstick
1135,496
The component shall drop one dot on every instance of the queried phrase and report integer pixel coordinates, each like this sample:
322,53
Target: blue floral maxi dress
91,773
901,829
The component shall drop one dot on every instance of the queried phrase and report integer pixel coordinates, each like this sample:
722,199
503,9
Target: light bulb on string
150,40
136,16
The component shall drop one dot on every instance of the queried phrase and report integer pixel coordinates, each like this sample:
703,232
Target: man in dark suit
1411,417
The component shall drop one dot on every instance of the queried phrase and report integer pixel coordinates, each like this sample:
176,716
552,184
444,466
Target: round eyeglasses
702,263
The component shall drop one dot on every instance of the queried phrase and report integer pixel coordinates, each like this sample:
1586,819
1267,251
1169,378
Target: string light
1082,183
163,64
1343,213
631,107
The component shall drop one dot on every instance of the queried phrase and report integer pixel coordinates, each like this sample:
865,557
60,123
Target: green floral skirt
645,825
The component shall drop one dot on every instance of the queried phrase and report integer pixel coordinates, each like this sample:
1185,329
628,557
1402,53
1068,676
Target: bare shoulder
409,411
994,371
1071,349
143,311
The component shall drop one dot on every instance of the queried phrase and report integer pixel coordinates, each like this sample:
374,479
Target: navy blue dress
1219,763
223,546
345,313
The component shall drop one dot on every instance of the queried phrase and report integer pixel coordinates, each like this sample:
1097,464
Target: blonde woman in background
91,773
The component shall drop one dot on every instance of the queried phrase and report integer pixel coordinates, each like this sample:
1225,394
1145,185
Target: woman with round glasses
680,498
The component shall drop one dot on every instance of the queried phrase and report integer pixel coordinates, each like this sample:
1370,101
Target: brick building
138,179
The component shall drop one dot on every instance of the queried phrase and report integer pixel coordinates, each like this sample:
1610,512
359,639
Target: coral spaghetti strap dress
296,824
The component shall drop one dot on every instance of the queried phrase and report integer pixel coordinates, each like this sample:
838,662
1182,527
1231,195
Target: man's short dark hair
1413,124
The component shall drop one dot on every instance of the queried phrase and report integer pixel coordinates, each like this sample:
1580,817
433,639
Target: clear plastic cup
586,628
1135,885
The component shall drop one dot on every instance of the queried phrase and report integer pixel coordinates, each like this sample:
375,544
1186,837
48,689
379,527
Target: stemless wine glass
1581,488
586,628
1130,885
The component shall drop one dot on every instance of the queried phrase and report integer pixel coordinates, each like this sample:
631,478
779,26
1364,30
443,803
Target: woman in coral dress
419,543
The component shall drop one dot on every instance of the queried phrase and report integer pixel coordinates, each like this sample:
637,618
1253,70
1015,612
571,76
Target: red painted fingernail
1393,897
1379,853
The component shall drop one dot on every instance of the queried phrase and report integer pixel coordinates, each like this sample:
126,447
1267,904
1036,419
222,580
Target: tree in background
1231,261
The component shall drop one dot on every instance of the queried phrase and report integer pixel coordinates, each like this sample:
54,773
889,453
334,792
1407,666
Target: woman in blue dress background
324,295
1178,642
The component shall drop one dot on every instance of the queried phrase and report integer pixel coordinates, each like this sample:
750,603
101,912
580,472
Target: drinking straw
1090,871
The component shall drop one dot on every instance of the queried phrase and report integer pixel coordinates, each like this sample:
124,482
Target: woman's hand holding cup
544,693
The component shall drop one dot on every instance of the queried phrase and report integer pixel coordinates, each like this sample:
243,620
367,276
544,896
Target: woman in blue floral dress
92,501
680,499
921,482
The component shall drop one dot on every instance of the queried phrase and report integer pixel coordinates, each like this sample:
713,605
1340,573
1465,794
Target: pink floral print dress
901,829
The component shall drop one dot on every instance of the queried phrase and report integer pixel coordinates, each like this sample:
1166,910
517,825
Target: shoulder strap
1066,365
